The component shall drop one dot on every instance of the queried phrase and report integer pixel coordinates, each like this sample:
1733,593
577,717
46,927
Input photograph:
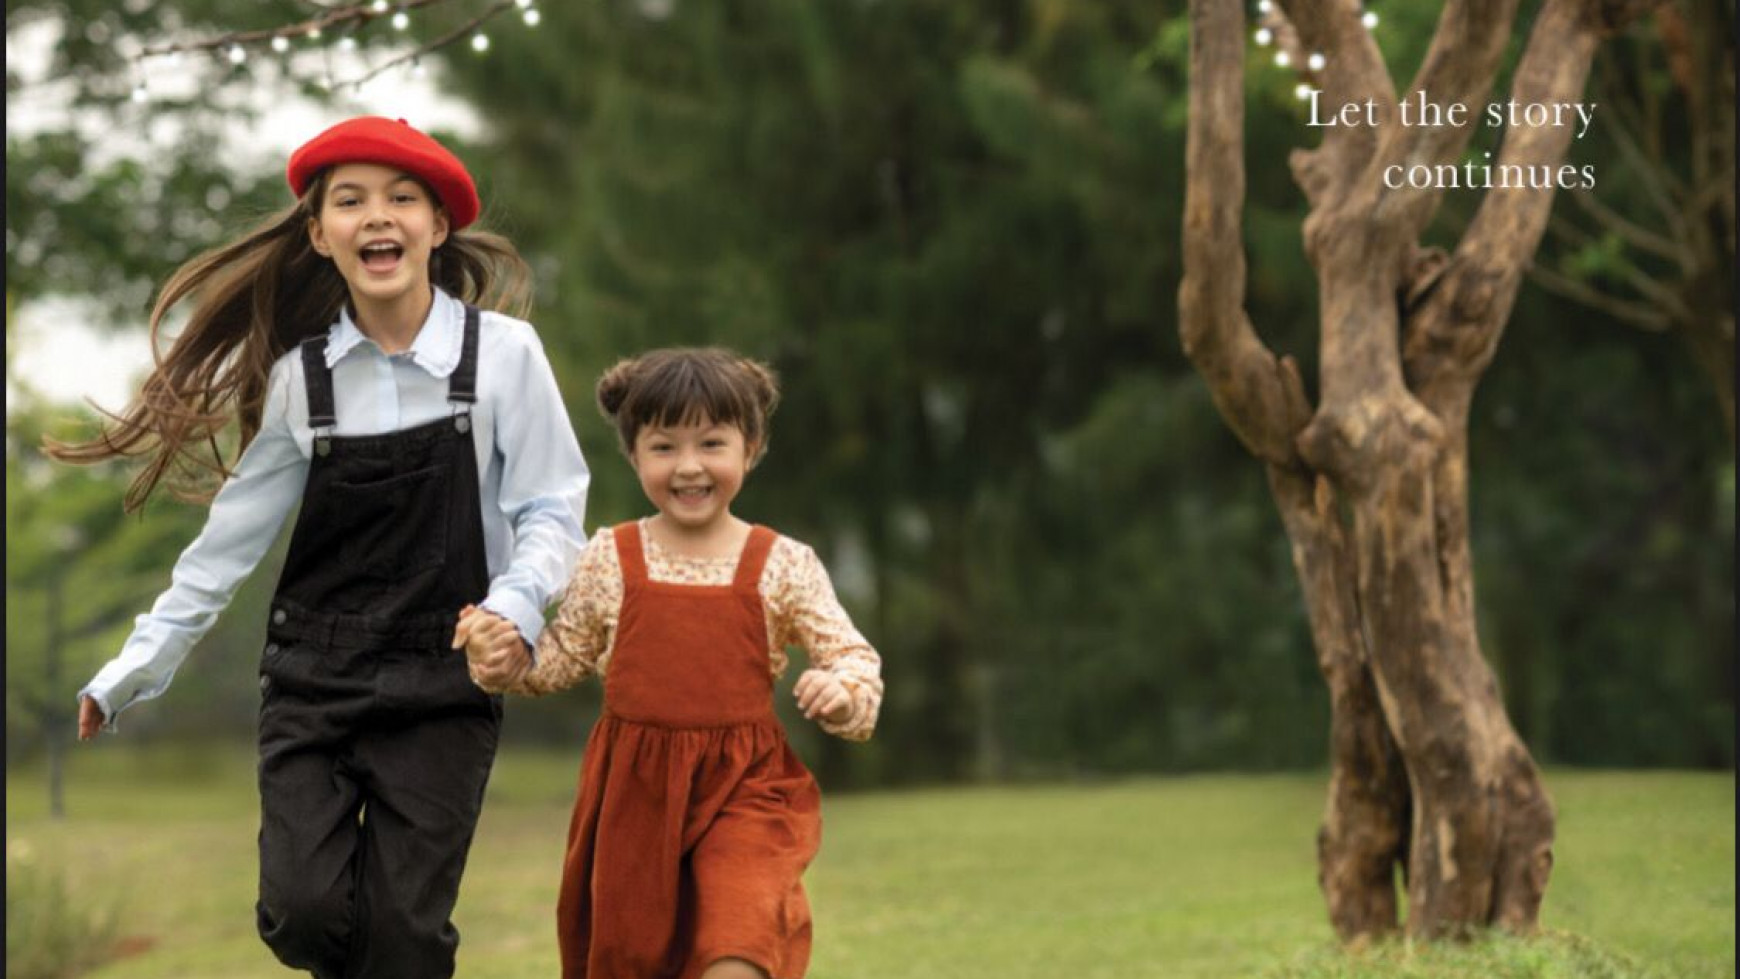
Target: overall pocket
396,527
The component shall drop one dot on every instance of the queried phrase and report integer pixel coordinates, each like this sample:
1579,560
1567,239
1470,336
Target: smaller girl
695,820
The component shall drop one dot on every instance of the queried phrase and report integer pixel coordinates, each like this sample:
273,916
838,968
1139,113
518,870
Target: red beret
393,143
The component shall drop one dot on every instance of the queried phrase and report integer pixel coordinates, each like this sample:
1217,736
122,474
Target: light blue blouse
533,481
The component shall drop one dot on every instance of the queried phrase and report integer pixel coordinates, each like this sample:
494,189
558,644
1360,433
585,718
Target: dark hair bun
765,382
614,385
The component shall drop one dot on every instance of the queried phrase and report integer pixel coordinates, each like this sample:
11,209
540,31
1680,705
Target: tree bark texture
1428,777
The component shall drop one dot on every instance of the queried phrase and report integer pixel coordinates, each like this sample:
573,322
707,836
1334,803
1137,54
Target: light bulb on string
139,92
347,43
1316,61
1283,59
532,17
237,54
379,6
1263,37
480,43
1301,91
417,69
1264,6
1370,19
401,20
280,44
314,33
522,4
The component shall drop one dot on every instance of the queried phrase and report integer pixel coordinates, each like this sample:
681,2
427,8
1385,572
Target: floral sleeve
574,644
809,615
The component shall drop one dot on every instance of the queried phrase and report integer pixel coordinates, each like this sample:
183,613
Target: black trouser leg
425,785
308,848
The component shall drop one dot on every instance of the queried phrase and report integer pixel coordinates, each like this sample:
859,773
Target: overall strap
754,558
629,553
462,384
317,378
317,381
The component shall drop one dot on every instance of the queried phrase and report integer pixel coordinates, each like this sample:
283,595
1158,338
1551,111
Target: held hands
90,718
821,696
493,645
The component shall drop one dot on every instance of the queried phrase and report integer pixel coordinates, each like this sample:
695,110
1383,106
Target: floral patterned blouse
796,594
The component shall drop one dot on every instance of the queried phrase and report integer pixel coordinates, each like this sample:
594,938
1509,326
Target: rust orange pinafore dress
695,820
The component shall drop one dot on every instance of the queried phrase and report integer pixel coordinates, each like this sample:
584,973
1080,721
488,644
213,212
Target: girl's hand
821,695
493,645
90,718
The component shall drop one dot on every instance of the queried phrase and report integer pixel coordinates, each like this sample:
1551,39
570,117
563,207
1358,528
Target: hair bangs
692,395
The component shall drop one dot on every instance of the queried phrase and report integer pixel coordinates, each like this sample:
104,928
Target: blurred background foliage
953,229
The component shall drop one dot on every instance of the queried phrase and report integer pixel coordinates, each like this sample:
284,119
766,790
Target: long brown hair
255,299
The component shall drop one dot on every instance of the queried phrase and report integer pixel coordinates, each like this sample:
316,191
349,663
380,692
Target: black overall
374,745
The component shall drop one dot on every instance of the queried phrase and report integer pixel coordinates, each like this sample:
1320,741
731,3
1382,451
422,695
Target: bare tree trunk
1428,774
1363,836
1365,820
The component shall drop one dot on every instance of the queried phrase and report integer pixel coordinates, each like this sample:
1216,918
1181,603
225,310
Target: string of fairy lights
1264,36
236,48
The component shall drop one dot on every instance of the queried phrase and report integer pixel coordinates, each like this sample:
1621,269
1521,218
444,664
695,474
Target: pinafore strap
628,553
753,559
750,563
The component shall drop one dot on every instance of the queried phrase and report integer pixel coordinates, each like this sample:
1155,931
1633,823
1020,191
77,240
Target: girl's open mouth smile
382,257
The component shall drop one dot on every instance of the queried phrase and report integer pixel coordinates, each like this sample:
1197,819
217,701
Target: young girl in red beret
695,820
435,468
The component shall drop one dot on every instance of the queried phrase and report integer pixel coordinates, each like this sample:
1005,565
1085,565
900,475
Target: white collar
436,348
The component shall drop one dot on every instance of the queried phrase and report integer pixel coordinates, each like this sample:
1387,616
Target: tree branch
1458,69
1641,315
355,15
1646,284
1353,73
440,42
1632,234
1262,399
1458,327
1658,183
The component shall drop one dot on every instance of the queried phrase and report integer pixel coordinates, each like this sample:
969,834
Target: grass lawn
1208,876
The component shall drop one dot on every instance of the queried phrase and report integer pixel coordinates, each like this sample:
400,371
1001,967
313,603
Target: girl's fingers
506,660
482,623
830,697
807,685
820,694
90,719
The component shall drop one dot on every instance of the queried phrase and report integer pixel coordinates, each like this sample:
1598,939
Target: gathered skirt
688,845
